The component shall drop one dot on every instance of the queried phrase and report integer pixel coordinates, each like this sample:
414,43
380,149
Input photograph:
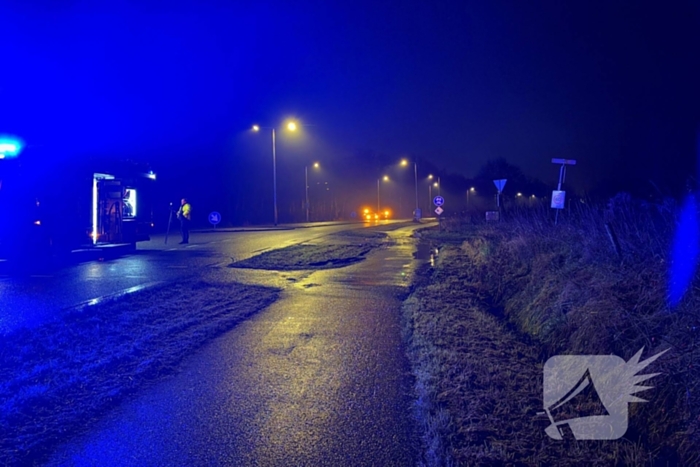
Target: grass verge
58,378
339,250
502,299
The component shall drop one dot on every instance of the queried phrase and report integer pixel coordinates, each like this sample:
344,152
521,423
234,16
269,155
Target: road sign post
559,196
439,201
214,218
500,184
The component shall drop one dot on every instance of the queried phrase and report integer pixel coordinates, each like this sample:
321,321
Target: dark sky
612,84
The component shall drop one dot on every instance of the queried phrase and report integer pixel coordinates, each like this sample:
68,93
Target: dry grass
58,378
552,290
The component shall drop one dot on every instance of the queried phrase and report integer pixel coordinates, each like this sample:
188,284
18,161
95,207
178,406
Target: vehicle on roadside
55,204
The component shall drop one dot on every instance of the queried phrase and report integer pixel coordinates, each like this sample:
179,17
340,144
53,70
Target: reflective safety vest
185,211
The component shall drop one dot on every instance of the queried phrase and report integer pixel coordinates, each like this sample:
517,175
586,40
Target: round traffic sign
438,201
214,218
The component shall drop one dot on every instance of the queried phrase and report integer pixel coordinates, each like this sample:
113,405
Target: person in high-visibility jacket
185,216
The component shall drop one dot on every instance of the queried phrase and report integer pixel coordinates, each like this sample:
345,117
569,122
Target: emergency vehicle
51,205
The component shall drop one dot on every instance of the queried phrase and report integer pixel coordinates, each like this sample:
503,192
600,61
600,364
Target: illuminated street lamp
291,126
470,190
306,179
430,191
386,179
404,163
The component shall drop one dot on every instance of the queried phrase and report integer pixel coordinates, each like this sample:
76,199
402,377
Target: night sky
611,84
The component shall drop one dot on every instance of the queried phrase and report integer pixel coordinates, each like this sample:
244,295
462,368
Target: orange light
366,211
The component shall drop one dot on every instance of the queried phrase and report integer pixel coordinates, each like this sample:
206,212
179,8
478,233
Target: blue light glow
684,253
10,146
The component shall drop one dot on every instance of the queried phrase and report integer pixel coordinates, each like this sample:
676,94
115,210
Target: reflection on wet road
319,378
30,301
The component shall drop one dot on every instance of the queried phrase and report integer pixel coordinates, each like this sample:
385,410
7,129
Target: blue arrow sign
214,218
438,201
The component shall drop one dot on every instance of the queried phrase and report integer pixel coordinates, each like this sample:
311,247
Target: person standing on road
185,216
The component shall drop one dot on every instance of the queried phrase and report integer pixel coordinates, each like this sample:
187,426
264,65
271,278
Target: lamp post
469,190
404,163
430,191
386,179
291,126
306,184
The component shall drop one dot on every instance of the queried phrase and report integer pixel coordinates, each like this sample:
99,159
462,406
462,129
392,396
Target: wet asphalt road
318,378
30,301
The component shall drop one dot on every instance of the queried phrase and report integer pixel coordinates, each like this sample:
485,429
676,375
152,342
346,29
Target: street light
472,190
291,126
430,191
306,180
386,179
404,163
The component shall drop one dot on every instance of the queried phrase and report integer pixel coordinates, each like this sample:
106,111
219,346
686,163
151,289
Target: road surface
318,378
30,301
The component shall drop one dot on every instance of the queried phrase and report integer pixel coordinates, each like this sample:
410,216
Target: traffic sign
492,215
500,184
564,161
438,201
558,198
439,210
214,218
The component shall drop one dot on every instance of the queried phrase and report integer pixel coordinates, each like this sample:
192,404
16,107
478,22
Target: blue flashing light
10,147
685,252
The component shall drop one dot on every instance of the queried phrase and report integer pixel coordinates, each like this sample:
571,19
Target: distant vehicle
50,206
369,215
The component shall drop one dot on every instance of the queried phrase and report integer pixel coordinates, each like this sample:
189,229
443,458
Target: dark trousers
185,229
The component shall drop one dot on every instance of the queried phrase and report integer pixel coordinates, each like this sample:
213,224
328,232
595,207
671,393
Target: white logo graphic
587,396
